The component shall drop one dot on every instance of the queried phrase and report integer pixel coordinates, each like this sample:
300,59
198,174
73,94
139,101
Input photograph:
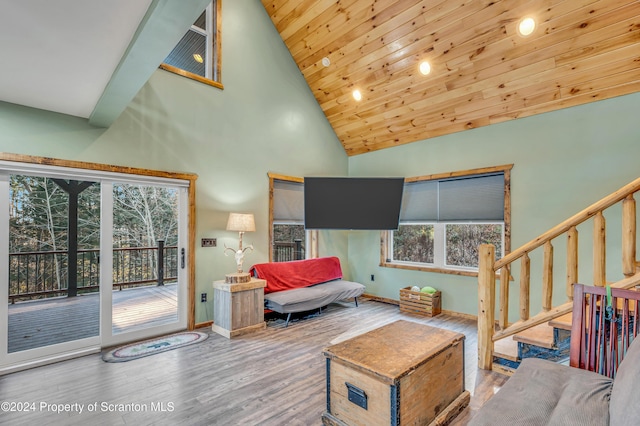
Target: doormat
153,346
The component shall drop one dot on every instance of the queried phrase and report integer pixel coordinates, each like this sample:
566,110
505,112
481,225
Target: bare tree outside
38,228
288,233
38,234
413,243
463,241
142,215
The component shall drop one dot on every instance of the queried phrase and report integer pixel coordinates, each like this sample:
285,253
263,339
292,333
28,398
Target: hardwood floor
271,377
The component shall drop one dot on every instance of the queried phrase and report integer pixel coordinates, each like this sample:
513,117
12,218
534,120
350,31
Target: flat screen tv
352,203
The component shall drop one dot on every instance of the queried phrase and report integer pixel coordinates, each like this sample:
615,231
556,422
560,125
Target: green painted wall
563,161
265,120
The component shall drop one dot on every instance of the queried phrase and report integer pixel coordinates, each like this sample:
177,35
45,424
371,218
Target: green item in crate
427,289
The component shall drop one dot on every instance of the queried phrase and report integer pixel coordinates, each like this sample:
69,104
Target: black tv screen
352,203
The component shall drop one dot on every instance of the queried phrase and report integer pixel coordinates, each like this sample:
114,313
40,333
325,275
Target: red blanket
298,273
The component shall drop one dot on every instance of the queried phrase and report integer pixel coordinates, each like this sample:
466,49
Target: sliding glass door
148,260
89,261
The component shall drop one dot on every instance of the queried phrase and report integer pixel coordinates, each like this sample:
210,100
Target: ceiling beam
159,32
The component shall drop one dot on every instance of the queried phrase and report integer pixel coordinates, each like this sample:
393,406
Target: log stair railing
489,267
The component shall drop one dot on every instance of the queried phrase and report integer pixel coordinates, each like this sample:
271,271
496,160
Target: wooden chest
404,373
416,302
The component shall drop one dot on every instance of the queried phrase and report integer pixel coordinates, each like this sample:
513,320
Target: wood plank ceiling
482,70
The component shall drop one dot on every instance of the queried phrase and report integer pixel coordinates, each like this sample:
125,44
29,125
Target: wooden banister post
572,260
547,277
525,282
505,274
599,251
629,236
486,304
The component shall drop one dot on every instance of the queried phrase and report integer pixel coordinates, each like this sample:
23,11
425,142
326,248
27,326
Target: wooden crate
403,373
416,302
238,308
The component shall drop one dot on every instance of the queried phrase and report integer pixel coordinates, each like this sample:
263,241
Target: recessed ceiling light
357,95
425,68
198,58
526,26
326,61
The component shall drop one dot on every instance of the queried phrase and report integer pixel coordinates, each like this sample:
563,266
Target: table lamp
241,222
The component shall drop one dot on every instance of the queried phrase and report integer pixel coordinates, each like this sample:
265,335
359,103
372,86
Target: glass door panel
53,271
145,257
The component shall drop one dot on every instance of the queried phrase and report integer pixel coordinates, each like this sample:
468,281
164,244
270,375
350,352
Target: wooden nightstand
238,308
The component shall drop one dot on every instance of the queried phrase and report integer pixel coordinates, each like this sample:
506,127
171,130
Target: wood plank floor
272,377
44,322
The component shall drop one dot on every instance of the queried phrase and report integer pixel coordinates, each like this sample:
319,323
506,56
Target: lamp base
237,278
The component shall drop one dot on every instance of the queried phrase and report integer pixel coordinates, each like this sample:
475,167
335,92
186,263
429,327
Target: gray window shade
419,201
288,201
472,198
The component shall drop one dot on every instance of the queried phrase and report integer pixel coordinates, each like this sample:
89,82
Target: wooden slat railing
488,267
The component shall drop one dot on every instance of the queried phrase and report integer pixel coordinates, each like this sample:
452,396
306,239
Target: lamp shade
241,222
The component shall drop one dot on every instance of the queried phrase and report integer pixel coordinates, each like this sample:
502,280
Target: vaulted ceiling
482,70
86,58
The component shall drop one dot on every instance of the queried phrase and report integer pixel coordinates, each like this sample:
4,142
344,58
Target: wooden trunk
416,302
404,373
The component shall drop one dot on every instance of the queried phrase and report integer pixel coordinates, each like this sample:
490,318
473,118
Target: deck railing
44,273
489,267
286,251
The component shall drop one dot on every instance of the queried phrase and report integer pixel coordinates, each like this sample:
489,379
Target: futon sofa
304,285
545,393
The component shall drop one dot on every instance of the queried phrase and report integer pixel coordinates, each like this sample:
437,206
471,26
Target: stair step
506,348
540,335
563,322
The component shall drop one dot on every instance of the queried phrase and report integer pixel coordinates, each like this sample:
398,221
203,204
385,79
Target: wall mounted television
352,203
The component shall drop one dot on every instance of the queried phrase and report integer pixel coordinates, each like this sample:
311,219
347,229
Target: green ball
427,289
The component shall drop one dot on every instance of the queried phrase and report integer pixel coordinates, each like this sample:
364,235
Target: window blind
288,202
472,198
419,201
469,198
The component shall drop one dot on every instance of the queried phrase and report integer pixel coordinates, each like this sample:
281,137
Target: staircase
546,334
548,341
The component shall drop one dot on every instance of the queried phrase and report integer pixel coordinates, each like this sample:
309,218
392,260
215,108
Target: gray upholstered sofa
304,285
545,393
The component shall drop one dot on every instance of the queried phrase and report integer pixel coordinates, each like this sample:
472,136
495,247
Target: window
445,218
414,242
197,55
287,236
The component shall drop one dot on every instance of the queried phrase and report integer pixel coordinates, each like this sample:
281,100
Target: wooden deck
45,322
274,376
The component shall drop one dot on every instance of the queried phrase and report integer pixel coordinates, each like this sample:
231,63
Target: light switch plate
209,242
